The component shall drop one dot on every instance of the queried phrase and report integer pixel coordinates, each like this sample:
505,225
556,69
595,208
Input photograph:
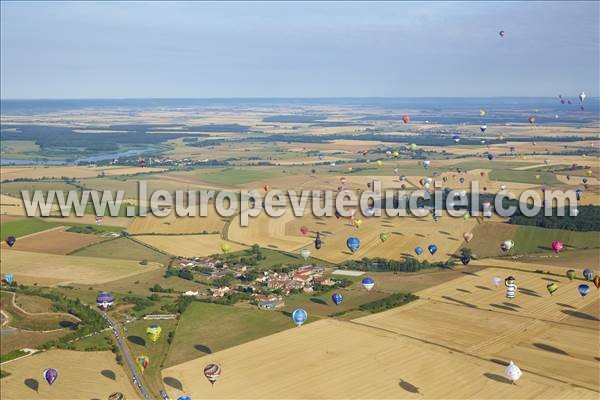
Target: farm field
27,320
188,245
212,223
39,172
125,249
26,382
51,269
55,241
28,226
207,328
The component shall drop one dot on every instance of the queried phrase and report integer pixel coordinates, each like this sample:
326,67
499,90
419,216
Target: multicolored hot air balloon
305,253
142,363
225,248
507,245
557,246
571,274
50,375
588,274
465,259
552,287
405,119
512,372
501,33
153,331
104,300
336,298
511,287
212,373
10,241
583,289
299,316
353,243
432,249
116,396
418,250
368,283
8,278
318,242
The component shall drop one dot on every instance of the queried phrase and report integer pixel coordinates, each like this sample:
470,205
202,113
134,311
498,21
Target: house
219,292
270,305
190,293
323,280
277,283
290,285
267,297
304,278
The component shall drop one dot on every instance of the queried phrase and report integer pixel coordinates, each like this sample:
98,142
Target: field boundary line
15,305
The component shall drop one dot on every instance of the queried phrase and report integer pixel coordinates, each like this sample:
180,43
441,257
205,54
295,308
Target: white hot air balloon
496,281
305,253
513,372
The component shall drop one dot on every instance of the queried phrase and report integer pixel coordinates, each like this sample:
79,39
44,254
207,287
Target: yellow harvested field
406,233
454,342
38,172
90,219
180,225
80,376
188,245
54,241
13,206
29,267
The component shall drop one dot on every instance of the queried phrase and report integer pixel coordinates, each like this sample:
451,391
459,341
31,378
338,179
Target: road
127,358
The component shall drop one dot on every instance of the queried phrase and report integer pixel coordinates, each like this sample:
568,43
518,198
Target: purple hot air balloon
50,375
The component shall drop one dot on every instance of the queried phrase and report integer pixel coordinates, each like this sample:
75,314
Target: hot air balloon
468,236
50,375
142,363
432,249
426,164
571,274
583,289
461,180
116,396
557,246
511,287
501,33
266,187
336,298
552,287
588,274
304,230
99,219
396,154
343,180
589,172
405,119
318,242
305,253
212,373
507,245
582,97
490,156
482,113
8,278
531,120
465,259
418,250
10,241
353,243
596,281
104,300
383,236
578,193
496,281
225,247
368,283
299,316
456,138
153,331
512,372
184,398
379,163
413,146
358,223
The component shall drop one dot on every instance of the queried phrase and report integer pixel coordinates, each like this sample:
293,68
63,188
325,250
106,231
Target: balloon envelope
557,246
368,283
299,316
304,230
142,363
336,298
153,331
419,250
305,253
571,274
552,287
212,372
10,241
353,243
50,375
583,289
225,248
496,281
588,274
432,248
512,372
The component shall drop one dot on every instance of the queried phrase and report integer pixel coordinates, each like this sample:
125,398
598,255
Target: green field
322,306
45,322
97,342
124,249
25,226
139,344
531,239
14,188
19,149
205,328
12,355
234,176
526,176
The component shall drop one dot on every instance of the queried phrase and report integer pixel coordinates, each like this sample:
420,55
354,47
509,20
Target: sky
298,49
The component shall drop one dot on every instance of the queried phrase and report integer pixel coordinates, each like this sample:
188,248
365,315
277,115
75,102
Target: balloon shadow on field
469,273
501,362
500,306
463,290
272,246
107,373
497,378
507,304
551,349
419,235
464,303
406,255
565,305
482,287
318,301
551,280
203,349
136,340
174,383
408,386
579,314
287,313
32,384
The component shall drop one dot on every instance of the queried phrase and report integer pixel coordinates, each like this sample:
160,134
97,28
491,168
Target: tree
466,252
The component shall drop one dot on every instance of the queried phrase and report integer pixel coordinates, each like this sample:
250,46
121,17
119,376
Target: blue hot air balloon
368,283
490,156
462,180
588,274
432,248
50,375
184,398
353,243
9,278
447,190
104,300
419,250
336,298
583,289
578,193
299,316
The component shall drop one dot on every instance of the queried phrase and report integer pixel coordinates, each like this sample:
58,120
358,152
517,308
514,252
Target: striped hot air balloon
105,300
50,375
212,373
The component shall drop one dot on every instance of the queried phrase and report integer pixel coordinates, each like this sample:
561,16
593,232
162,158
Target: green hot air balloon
552,287
571,274
383,236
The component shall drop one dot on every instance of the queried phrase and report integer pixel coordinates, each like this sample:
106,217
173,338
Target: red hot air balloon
531,120
304,230
405,119
557,246
212,373
266,187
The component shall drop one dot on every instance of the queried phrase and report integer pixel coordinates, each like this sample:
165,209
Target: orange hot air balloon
531,120
405,119
266,187
596,281
304,230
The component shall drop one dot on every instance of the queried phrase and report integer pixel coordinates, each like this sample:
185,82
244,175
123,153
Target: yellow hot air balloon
501,137
357,223
153,331
413,147
379,163
349,169
588,172
466,216
537,176
142,362
225,248
482,113
396,154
